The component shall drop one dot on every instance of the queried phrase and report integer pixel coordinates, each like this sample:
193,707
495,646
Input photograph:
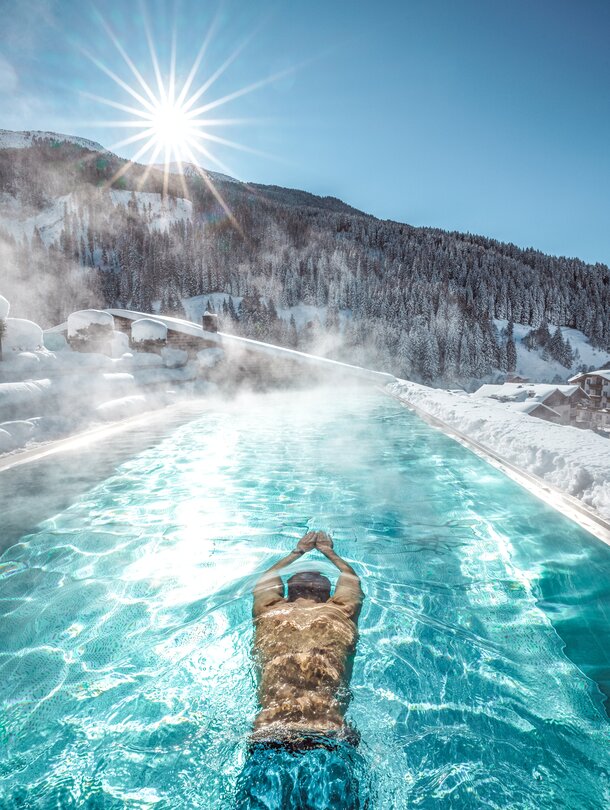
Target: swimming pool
125,628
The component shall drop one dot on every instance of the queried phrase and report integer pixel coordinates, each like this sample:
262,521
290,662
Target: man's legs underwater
315,777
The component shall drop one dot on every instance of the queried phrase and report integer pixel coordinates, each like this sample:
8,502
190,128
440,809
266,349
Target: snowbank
25,397
119,344
122,408
22,335
573,460
209,358
20,431
85,318
174,358
146,329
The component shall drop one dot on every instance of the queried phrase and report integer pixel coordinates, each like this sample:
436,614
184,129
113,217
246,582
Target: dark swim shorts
309,772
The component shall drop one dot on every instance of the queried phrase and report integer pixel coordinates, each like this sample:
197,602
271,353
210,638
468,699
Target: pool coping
569,506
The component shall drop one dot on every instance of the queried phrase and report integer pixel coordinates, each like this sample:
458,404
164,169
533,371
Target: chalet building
539,410
562,402
181,334
596,384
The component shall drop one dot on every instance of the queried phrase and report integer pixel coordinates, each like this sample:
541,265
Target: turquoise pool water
125,672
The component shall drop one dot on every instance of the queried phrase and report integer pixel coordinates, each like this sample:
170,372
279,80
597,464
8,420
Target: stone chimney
210,322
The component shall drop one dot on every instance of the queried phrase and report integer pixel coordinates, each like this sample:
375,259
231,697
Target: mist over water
125,629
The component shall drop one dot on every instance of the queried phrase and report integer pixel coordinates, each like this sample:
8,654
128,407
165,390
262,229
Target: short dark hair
308,585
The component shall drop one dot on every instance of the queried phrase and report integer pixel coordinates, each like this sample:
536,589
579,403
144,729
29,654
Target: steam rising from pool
125,626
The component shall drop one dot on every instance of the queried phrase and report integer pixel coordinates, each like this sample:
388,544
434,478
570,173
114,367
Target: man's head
308,585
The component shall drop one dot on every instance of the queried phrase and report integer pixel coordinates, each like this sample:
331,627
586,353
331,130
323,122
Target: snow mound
148,329
85,318
573,460
174,358
20,397
141,360
54,341
20,431
22,335
119,344
4,308
208,358
6,441
122,408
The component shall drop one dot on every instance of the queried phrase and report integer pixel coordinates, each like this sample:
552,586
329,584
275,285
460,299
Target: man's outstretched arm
348,592
269,589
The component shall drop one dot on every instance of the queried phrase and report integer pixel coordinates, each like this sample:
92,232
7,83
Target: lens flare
172,122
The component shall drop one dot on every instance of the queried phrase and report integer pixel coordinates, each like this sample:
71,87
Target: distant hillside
80,226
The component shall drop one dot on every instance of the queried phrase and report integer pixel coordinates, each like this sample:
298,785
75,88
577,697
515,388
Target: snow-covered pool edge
492,434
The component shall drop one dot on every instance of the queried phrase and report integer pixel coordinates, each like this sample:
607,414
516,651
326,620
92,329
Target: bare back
304,652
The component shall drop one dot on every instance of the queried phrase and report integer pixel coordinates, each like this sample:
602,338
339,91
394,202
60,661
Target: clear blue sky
474,115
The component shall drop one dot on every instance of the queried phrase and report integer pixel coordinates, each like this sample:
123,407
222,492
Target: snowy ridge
25,138
192,170
575,461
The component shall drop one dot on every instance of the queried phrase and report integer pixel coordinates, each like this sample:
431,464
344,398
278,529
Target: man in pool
302,752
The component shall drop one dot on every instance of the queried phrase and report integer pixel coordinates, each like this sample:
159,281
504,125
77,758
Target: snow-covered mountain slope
22,140
532,364
420,299
158,211
302,313
20,221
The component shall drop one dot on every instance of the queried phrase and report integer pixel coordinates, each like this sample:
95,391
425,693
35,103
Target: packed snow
573,460
21,336
174,358
47,390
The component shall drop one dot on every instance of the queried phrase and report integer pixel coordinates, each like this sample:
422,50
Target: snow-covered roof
602,372
518,392
85,318
148,329
174,324
532,405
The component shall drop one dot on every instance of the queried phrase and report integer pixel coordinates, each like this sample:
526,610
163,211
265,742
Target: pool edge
569,506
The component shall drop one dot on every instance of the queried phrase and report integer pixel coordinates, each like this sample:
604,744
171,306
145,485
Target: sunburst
170,122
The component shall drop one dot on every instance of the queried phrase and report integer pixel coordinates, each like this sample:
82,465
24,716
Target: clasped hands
320,540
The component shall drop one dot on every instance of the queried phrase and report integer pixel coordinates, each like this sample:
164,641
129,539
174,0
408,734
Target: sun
173,126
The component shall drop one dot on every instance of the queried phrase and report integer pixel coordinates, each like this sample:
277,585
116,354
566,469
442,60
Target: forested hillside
415,301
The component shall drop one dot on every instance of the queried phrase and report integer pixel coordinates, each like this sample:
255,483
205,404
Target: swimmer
304,646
